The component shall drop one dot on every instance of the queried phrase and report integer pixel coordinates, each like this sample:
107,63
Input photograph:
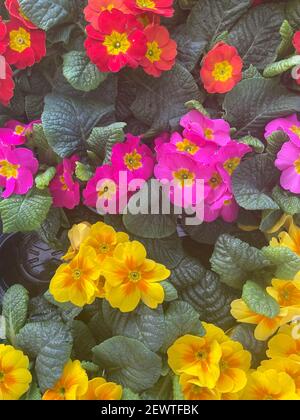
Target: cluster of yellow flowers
75,385
106,264
212,367
285,292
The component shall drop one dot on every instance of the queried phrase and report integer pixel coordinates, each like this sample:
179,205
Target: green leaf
180,319
129,395
275,142
275,69
15,310
209,19
255,102
34,393
43,180
288,202
144,324
83,340
24,213
191,105
287,34
293,13
90,366
256,35
286,261
80,72
259,301
177,391
253,182
244,334
253,142
269,219
251,73
83,172
234,260
51,226
128,362
67,310
47,13
203,290
69,121
102,139
50,343
170,291
160,102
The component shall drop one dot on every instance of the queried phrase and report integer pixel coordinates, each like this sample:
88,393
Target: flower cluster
128,33
74,384
212,367
106,264
17,164
22,45
204,151
288,159
108,188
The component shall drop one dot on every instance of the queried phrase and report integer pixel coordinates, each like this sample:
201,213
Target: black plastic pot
26,260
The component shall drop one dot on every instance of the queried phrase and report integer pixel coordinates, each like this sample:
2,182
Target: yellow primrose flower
99,389
290,239
197,357
76,236
280,364
287,294
104,239
192,391
265,326
77,281
72,384
284,344
131,277
15,376
270,385
234,365
212,333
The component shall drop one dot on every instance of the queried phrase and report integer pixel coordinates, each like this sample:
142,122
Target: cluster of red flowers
128,33
22,45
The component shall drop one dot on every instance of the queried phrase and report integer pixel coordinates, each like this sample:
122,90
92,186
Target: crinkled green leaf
177,391
256,144
128,362
287,263
287,34
25,213
253,182
234,260
288,202
259,301
275,69
129,395
15,309
83,340
43,180
102,139
170,291
293,13
34,393
269,219
80,72
275,142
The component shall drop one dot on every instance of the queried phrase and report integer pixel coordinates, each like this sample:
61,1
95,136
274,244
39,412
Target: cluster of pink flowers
203,151
288,159
17,164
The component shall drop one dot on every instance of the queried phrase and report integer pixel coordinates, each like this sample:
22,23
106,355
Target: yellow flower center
23,14
201,355
284,296
223,365
117,43
231,164
76,274
64,186
19,40
148,4
215,180
108,190
297,166
62,391
295,130
135,276
187,146
109,7
133,160
104,248
8,170
154,52
19,130
209,134
227,202
222,71
184,177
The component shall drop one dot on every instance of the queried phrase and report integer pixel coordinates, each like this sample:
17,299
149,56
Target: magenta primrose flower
225,207
64,190
17,168
288,162
16,133
133,157
290,125
198,127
